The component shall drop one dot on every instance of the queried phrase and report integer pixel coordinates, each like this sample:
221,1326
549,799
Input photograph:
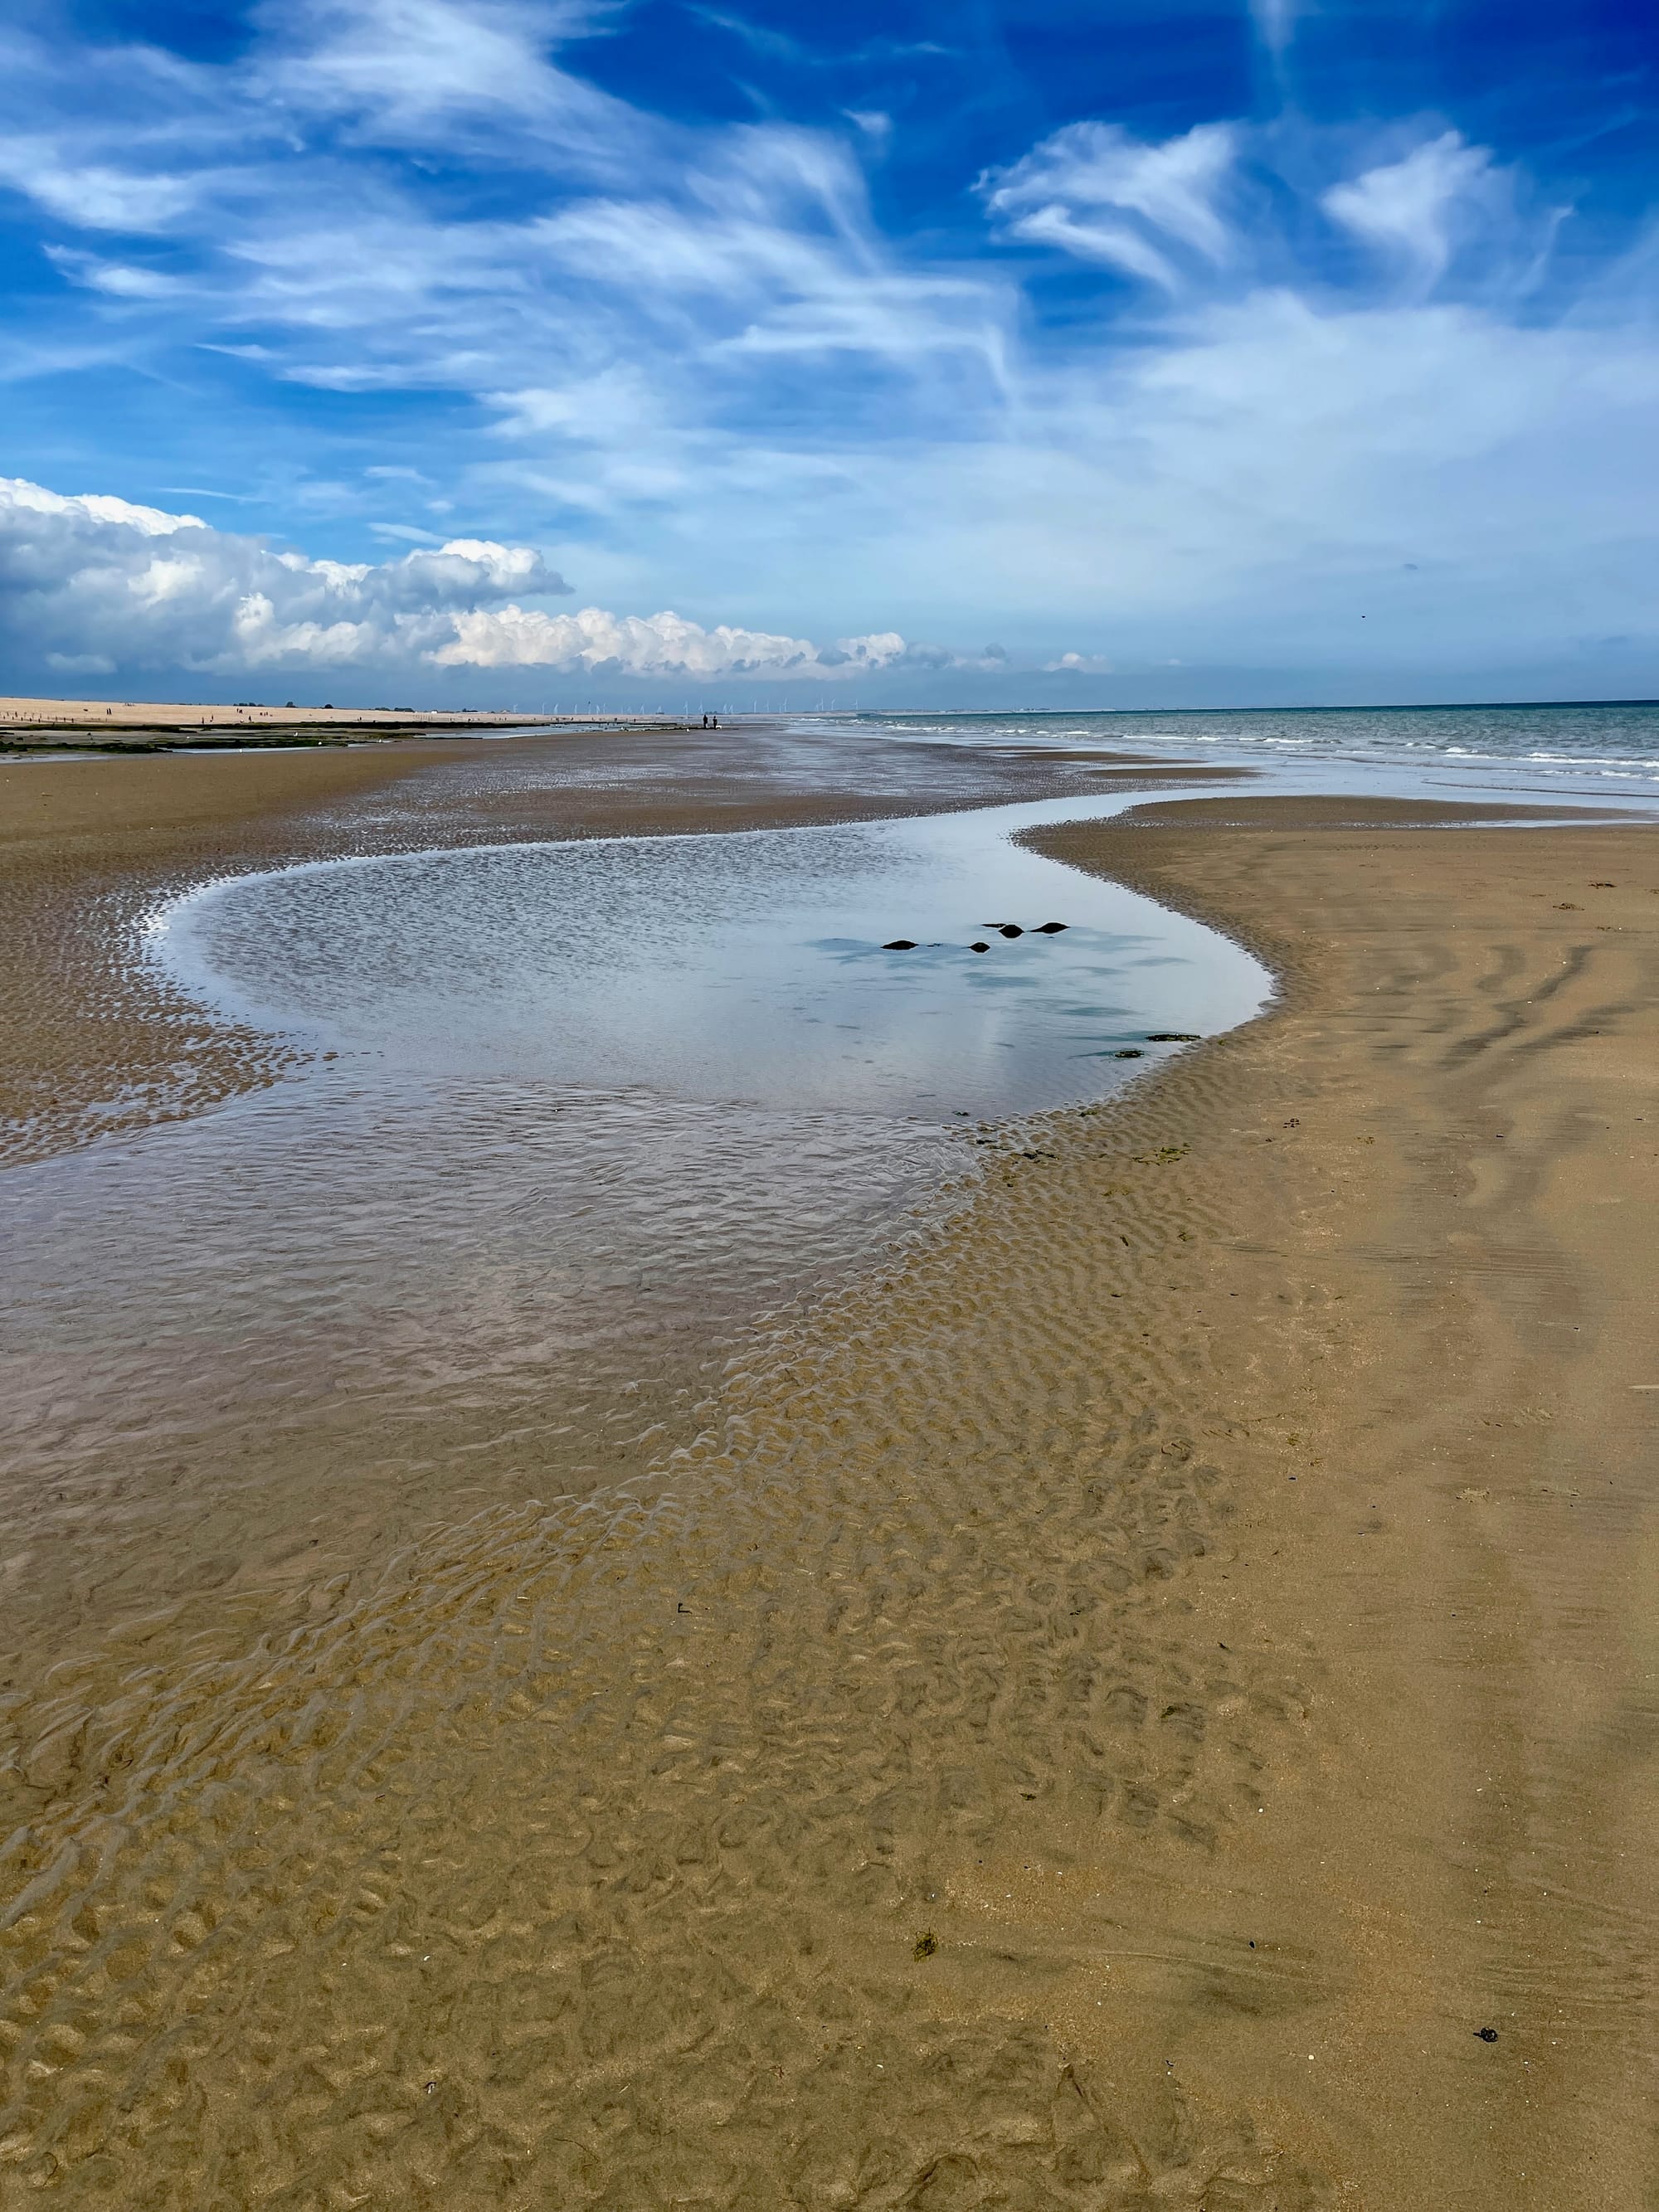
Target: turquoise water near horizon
1597,747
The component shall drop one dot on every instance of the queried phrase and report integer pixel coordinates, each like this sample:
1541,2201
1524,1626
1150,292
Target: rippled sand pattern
1107,1716
588,1856
258,1351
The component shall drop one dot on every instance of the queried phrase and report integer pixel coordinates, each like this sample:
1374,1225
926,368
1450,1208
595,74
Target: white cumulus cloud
88,581
91,584
664,644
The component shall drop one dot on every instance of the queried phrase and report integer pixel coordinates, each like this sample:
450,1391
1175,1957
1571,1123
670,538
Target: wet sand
1444,1151
1103,1715
97,1043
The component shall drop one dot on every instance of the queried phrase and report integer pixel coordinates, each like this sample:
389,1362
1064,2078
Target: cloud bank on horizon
163,590
1314,349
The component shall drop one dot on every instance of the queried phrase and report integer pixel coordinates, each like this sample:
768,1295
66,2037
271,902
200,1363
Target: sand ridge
1103,1716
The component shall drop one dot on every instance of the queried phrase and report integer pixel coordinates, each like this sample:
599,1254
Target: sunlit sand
1108,1687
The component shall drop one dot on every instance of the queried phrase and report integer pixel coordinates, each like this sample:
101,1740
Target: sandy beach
26,723
1144,1700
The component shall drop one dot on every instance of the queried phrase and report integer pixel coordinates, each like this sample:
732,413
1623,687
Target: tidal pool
593,1110
738,967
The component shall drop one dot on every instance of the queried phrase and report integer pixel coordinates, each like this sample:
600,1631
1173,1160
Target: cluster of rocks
980,945
1051,929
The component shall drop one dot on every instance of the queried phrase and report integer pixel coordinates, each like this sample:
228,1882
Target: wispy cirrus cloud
1275,23
1095,191
1219,209
96,195
1442,197
416,277
486,73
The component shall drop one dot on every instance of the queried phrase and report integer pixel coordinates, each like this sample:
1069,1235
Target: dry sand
28,721
1104,1717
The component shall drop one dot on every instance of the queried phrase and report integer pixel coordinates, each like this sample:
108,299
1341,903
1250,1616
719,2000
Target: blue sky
550,350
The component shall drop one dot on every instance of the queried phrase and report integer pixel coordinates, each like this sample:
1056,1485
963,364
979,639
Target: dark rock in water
1129,1052
1487,2034
1052,928
1010,929
979,945
1174,1036
901,944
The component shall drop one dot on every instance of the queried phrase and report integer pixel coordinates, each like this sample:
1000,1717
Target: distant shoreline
148,726
30,725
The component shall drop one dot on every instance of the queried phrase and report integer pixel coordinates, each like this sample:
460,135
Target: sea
1598,750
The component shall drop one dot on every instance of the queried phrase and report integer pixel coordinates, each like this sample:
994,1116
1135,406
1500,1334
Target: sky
550,353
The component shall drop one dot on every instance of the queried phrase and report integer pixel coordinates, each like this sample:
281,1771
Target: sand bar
1141,1704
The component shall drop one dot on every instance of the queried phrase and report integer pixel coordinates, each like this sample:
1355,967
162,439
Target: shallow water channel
752,969
574,1116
